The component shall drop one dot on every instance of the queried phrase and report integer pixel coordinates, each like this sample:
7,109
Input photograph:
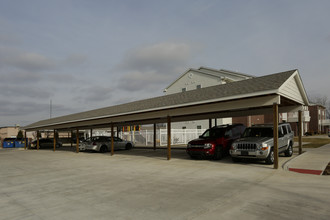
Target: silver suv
257,143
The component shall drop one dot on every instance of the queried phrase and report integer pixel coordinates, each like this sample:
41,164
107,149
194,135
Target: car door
229,137
281,138
49,143
119,143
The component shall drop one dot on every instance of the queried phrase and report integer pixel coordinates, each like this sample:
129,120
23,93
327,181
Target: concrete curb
313,161
306,171
286,167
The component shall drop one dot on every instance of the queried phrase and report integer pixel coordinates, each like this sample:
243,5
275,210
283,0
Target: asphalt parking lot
142,184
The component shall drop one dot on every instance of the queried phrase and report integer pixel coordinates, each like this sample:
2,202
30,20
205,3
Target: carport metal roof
247,97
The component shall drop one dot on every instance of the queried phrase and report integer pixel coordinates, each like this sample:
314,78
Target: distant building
205,77
292,118
318,116
10,131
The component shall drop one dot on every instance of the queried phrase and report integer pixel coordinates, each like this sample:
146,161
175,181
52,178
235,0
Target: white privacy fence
146,137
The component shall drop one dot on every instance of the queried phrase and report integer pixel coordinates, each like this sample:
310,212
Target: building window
184,127
184,89
198,86
199,126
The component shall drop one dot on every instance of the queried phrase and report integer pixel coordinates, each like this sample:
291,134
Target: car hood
254,139
201,140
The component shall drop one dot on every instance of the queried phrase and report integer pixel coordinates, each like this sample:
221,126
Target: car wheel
193,157
270,158
289,151
218,154
103,149
128,146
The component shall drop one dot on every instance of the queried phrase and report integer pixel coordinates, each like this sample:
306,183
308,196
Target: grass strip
313,142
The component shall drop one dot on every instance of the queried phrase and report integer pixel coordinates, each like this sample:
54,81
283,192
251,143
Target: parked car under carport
46,143
103,144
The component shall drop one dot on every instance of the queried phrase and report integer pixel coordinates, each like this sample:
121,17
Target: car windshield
214,132
258,132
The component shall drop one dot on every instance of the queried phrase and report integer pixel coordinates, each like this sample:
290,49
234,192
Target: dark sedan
45,143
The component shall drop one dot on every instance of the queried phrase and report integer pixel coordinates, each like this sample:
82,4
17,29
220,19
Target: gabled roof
294,89
229,72
212,72
259,86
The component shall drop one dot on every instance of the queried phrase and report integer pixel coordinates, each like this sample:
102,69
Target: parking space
178,152
142,184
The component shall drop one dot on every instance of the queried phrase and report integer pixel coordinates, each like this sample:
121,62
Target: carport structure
270,94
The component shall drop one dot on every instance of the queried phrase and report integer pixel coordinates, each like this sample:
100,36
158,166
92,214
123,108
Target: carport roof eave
237,97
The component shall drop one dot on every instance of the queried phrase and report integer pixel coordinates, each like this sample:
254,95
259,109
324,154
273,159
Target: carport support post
112,142
71,138
54,140
25,145
37,140
168,137
300,131
77,142
155,137
275,121
210,123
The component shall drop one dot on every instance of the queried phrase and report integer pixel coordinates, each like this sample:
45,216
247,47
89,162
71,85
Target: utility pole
50,109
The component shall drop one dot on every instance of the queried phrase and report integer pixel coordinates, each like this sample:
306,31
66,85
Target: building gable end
294,90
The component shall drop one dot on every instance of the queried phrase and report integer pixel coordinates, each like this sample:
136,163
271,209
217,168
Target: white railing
293,116
326,122
179,136
146,137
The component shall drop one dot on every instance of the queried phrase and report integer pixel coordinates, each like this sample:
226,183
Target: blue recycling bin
9,142
21,143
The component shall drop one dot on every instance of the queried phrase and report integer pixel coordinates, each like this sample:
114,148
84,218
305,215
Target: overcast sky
87,54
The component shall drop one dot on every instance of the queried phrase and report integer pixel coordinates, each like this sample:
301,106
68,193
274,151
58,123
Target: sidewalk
312,161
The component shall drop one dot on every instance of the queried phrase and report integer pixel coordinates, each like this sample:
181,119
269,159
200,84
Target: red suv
215,142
